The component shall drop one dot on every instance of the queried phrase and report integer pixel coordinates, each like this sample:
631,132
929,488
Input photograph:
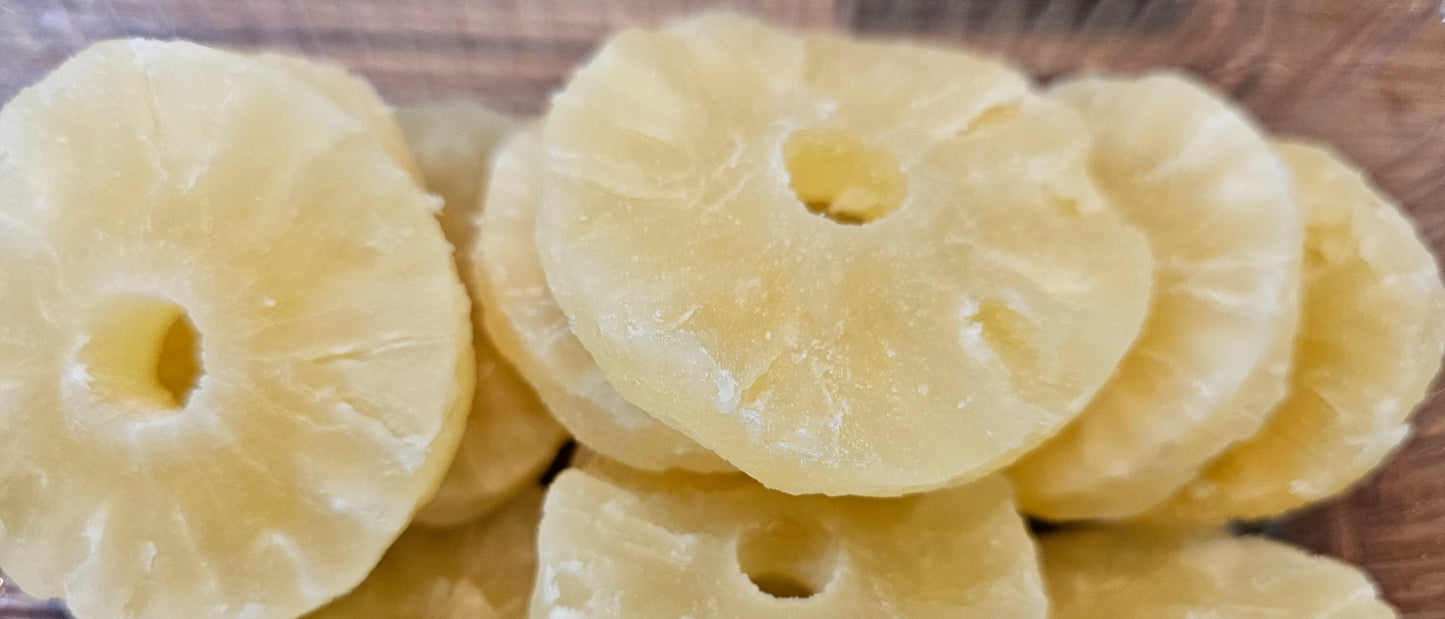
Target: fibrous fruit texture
527,325
1371,332
1191,173
234,351
1141,573
510,437
845,267
479,570
647,546
354,96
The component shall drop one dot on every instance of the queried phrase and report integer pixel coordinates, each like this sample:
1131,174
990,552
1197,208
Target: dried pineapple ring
1370,337
455,144
234,353
667,546
1200,181
1140,573
958,295
528,327
479,570
356,97
510,437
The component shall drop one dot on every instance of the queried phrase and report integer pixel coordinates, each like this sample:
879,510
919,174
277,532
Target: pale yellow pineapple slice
455,144
1199,180
845,267
1142,573
598,465
528,327
1370,338
509,442
234,353
510,437
478,570
650,546
356,97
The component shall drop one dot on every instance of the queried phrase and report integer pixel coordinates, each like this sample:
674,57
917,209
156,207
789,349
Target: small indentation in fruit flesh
837,175
1008,333
787,559
995,333
178,366
141,349
782,586
992,115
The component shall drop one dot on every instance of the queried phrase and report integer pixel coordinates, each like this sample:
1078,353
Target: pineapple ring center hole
787,559
839,176
142,349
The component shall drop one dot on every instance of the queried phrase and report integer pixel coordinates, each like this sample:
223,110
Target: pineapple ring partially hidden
455,144
639,546
1201,182
234,353
478,570
845,267
1141,573
523,319
510,436
1370,338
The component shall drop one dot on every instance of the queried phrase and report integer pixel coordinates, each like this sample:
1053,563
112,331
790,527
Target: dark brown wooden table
1366,76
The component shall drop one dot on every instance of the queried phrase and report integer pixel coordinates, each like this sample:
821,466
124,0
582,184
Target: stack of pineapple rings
827,317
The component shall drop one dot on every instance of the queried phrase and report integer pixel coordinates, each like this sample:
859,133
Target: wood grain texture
1365,76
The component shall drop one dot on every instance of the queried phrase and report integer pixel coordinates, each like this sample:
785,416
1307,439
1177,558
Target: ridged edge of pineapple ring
510,438
593,410
1194,173
1243,482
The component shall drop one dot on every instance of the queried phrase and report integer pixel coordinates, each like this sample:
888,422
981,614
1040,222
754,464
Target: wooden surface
1366,76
